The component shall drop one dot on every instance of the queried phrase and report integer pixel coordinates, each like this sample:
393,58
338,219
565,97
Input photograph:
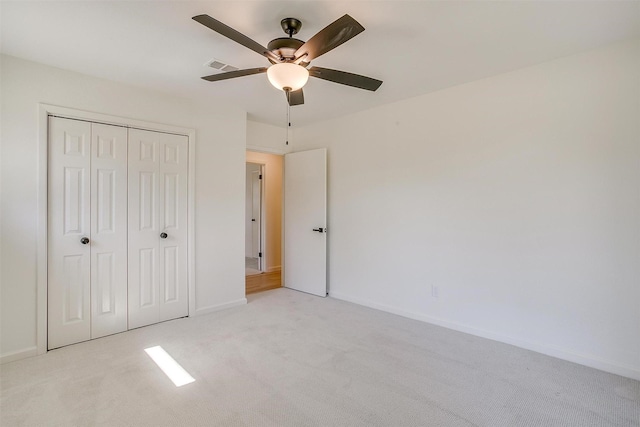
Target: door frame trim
46,110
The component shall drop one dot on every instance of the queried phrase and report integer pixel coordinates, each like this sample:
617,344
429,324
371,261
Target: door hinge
259,254
260,176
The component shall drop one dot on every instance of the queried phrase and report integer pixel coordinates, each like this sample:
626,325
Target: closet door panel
144,227
173,217
108,230
157,227
69,317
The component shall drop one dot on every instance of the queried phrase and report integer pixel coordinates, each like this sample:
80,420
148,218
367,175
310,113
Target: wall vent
216,64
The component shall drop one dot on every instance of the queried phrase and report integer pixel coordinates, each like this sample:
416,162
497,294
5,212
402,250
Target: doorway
263,221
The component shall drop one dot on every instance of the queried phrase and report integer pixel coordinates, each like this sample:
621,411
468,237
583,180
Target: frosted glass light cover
287,75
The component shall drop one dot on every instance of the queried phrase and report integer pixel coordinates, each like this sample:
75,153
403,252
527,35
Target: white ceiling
415,47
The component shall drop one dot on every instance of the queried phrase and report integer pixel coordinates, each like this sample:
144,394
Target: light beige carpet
291,359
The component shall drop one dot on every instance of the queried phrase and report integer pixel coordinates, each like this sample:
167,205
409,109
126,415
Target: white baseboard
20,354
590,361
214,308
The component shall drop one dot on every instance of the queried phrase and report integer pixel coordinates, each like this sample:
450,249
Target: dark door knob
319,230
163,235
84,240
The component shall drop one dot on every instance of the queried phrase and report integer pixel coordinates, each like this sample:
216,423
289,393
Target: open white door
305,221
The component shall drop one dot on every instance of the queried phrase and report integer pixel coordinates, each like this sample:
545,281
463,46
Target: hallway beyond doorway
263,282
251,266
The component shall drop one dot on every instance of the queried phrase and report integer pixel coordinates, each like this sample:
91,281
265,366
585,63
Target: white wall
518,196
219,188
267,138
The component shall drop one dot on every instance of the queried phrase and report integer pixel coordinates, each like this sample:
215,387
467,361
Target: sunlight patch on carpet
169,366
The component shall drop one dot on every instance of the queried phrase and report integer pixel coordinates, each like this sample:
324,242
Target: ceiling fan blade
330,37
234,74
295,97
235,35
345,78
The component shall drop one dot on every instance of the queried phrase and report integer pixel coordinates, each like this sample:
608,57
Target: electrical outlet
435,292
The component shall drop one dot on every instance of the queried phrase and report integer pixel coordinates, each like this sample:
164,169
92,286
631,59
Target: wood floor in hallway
263,282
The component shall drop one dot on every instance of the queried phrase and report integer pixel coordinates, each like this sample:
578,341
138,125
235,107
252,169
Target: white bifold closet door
87,231
157,227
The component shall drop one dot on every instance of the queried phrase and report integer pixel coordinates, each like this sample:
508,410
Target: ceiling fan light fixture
287,75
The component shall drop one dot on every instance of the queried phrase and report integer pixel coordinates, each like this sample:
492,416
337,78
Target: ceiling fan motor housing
285,47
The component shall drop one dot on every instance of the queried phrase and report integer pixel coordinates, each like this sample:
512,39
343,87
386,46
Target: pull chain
288,121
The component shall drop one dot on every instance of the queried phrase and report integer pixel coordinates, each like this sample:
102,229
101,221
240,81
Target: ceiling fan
290,57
